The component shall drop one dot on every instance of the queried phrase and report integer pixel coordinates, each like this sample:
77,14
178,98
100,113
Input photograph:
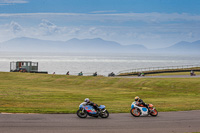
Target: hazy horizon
103,64
98,38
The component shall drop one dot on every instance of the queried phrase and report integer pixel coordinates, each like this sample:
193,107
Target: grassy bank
174,73
41,93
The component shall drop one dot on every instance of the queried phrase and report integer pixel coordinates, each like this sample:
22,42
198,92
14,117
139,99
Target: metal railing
157,68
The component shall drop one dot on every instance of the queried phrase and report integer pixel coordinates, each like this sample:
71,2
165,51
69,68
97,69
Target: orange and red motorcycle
140,110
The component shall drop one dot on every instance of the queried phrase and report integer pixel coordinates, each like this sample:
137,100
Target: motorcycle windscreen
80,106
102,106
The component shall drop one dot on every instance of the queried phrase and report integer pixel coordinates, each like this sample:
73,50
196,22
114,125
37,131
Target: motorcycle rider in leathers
140,101
88,102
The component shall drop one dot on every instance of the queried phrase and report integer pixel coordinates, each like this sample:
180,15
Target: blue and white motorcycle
140,110
83,111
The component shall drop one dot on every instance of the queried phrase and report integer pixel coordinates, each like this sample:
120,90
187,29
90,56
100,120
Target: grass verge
173,73
41,93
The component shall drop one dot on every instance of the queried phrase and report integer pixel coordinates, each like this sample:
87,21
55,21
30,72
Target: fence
157,68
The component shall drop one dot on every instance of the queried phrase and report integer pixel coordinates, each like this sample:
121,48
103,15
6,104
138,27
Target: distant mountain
92,45
95,45
74,45
30,45
184,47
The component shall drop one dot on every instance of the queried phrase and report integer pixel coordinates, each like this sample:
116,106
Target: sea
103,64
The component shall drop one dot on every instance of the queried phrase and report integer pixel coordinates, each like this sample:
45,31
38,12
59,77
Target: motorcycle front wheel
104,114
81,114
135,112
153,112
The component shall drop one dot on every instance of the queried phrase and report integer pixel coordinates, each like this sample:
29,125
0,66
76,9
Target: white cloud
190,35
74,31
10,31
117,17
7,2
110,11
48,27
94,31
39,14
15,27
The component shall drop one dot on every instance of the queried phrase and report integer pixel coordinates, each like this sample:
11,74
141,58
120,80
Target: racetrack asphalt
165,122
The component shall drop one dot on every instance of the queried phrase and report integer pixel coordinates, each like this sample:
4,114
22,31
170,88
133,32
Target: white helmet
87,100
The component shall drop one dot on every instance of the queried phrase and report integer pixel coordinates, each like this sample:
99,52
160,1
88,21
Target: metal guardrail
157,68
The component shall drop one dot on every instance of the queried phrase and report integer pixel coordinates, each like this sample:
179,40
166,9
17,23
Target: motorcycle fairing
90,109
144,110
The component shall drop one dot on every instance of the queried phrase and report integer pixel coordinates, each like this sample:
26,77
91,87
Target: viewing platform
25,66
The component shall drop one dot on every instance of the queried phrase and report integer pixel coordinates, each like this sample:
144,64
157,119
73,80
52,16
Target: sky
152,23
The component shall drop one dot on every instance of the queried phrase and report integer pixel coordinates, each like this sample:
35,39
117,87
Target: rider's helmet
87,100
137,98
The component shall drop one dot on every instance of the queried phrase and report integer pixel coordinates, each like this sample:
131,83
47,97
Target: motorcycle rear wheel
135,112
104,114
81,114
